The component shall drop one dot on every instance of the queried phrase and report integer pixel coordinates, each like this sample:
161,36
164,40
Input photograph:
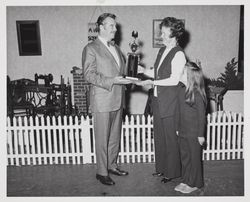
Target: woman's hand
144,83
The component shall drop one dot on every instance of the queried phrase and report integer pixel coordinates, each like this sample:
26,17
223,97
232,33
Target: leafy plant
230,79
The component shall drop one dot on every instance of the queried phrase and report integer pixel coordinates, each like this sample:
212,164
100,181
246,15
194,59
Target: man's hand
121,80
201,140
144,83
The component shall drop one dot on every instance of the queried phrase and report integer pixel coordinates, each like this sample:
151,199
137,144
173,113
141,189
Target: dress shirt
177,67
111,49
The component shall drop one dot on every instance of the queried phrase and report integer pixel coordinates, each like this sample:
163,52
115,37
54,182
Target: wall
238,101
214,33
233,101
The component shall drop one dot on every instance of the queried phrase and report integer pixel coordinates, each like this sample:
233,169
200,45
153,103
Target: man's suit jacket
99,69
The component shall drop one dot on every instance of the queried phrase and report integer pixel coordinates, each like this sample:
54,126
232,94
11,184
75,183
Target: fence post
224,139
71,139
234,116
239,136
208,137
38,139
86,143
10,135
77,139
229,135
60,137
55,140
44,130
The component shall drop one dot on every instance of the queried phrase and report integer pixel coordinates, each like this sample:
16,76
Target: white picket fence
70,140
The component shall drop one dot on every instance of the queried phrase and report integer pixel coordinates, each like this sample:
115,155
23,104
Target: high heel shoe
165,180
157,174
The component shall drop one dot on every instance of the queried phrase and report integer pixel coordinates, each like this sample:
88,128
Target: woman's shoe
165,180
157,174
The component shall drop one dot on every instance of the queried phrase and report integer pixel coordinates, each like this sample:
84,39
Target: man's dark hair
102,17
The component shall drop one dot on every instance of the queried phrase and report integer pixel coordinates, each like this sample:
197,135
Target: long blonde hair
195,80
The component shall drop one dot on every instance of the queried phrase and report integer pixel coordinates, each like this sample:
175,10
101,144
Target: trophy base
131,78
143,77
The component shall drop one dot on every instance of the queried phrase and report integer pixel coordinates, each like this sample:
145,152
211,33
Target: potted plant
230,79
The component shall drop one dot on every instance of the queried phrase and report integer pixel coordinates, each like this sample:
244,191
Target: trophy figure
133,58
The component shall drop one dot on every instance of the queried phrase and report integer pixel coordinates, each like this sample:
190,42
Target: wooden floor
222,178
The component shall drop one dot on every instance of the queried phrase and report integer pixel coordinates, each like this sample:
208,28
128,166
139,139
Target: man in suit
103,67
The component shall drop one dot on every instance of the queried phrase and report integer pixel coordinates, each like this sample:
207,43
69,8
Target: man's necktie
111,43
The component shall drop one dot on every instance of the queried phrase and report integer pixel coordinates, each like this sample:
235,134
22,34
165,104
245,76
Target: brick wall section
81,93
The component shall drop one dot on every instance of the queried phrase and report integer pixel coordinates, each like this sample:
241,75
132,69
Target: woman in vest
167,71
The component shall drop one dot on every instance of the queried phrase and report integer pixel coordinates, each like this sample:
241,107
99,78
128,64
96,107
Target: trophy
133,58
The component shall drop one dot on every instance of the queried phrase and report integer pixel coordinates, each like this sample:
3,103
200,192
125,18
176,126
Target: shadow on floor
222,178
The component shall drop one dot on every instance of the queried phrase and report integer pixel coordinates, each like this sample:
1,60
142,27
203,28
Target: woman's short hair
175,25
102,17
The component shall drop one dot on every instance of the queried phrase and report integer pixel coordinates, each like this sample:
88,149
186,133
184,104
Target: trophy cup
133,58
